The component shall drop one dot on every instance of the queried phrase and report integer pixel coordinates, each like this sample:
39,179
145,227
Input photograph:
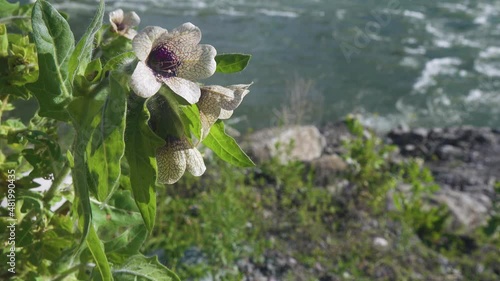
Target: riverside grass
234,219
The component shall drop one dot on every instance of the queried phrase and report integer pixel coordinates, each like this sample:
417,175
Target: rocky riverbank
464,161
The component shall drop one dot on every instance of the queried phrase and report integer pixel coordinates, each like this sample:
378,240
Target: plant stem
67,272
57,182
9,19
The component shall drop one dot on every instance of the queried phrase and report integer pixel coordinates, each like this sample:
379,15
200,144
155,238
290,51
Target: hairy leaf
82,111
107,145
97,249
140,268
82,54
7,8
140,149
226,147
54,43
118,61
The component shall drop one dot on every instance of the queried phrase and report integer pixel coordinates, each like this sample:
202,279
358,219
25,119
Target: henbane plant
134,101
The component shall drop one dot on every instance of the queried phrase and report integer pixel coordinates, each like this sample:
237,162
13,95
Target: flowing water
421,63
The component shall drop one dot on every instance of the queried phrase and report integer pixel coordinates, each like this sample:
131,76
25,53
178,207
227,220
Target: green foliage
205,225
6,8
82,55
231,63
18,63
141,268
140,149
86,121
54,45
226,147
107,145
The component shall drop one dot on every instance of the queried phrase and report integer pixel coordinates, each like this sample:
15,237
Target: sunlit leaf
7,8
192,114
107,145
83,110
140,268
54,43
230,63
97,249
140,149
226,147
118,61
82,54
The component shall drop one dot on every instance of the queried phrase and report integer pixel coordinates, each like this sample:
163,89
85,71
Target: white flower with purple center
174,58
123,23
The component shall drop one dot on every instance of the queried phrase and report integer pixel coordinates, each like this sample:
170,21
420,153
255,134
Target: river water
420,63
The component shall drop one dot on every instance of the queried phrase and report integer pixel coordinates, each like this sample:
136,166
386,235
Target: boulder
469,211
303,143
326,168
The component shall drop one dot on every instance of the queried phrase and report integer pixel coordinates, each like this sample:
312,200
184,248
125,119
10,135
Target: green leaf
82,111
118,61
140,149
140,268
97,249
44,155
166,118
192,114
54,43
127,244
6,8
4,41
226,147
230,63
93,71
82,54
107,144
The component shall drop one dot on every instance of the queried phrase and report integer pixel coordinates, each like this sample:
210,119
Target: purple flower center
120,26
163,61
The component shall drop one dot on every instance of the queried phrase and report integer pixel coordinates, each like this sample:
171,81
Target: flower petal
224,92
143,81
194,161
240,91
145,40
197,62
188,90
131,19
184,36
209,106
130,34
115,17
171,161
228,99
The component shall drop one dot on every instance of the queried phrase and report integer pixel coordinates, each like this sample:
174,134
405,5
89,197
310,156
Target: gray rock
448,152
326,168
469,210
303,143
